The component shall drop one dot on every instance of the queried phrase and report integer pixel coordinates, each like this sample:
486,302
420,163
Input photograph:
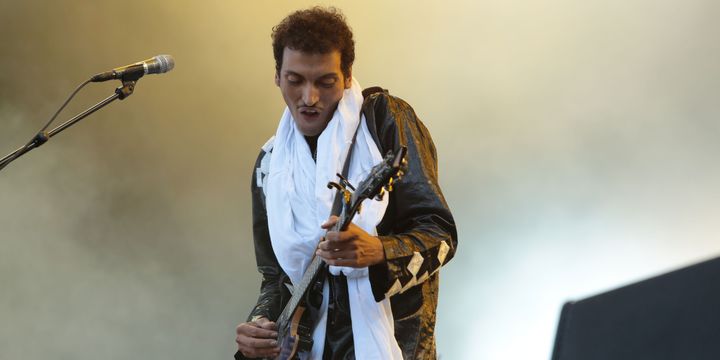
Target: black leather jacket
417,232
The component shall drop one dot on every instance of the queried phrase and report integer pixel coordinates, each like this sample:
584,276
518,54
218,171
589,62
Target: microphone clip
127,88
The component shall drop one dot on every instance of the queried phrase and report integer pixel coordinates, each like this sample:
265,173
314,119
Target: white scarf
298,202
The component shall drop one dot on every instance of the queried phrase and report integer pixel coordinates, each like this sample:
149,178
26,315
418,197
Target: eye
294,80
328,83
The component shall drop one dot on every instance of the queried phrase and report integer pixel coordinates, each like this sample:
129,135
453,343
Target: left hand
353,247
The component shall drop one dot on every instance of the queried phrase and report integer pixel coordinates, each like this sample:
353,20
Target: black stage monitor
671,316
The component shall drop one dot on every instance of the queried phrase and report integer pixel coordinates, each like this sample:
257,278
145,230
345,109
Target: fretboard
300,290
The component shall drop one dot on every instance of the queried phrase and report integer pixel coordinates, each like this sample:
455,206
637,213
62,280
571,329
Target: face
312,86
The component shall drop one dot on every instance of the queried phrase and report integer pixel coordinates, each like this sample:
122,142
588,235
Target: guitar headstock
382,176
380,179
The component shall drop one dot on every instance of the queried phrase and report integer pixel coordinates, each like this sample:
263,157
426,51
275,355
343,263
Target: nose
311,95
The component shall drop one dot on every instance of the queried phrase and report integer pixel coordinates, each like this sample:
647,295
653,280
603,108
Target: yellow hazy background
578,147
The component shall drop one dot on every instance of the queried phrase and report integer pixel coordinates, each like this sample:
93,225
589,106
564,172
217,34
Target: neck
312,143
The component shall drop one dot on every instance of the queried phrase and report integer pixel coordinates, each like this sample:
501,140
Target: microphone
156,65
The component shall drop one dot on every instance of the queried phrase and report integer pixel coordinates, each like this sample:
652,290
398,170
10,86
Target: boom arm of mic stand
42,137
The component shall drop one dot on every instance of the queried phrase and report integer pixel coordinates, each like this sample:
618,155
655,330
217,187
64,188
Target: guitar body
289,347
295,335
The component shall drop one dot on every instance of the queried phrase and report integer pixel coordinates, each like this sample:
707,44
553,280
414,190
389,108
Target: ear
277,79
348,80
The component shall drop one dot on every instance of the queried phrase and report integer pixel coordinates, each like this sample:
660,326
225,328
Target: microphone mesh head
164,63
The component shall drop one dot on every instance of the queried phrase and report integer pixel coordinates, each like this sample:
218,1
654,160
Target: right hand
257,338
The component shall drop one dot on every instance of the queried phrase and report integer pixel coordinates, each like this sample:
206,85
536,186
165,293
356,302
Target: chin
314,128
312,132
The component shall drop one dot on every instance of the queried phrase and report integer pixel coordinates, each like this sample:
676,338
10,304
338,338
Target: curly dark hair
317,30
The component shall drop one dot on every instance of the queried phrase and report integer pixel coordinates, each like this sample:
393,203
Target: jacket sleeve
418,231
272,290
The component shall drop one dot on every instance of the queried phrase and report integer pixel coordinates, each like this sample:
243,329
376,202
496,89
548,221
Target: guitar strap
337,203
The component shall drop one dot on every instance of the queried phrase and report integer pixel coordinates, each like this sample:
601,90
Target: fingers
266,324
352,256
338,246
334,241
330,222
344,262
255,351
259,352
257,339
353,247
258,344
351,233
341,258
253,330
333,255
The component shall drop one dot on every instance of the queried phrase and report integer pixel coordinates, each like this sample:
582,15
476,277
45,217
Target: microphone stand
127,88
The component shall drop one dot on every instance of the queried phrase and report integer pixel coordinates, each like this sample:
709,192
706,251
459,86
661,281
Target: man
380,294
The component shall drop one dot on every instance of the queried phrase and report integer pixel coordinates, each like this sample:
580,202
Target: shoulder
265,153
391,120
269,144
262,164
381,102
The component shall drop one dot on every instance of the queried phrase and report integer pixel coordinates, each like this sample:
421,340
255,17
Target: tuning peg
389,186
333,184
345,182
380,194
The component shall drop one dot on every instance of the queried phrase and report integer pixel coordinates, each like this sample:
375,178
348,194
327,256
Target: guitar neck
300,289
310,275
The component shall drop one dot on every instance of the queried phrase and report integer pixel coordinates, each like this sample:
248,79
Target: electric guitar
295,324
